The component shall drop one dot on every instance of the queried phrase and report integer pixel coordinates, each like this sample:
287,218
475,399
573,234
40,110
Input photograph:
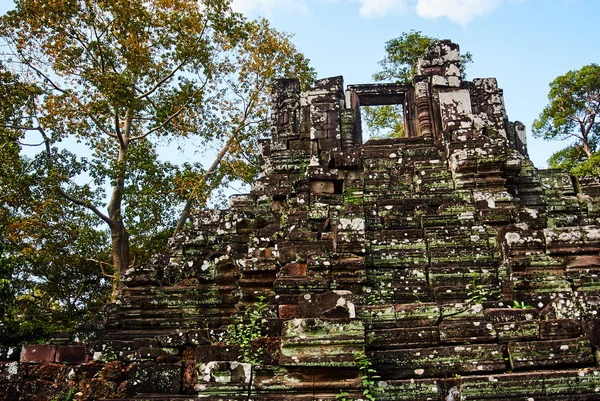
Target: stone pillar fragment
424,121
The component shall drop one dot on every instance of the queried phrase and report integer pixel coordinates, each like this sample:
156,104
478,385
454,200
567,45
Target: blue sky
525,44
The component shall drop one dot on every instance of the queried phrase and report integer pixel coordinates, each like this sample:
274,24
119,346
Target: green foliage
246,328
99,88
384,121
342,396
480,293
572,114
399,65
109,355
519,305
51,257
368,376
368,379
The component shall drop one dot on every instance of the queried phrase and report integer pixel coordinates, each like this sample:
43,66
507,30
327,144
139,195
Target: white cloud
269,6
459,11
381,8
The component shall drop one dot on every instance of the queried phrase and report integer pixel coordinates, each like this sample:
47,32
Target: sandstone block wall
460,270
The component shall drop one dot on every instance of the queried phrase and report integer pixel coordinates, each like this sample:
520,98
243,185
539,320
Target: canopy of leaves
572,114
100,87
51,258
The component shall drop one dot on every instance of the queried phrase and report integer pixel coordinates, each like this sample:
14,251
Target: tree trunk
119,234
587,150
120,253
585,132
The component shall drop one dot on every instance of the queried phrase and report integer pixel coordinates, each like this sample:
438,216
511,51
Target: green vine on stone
246,328
368,379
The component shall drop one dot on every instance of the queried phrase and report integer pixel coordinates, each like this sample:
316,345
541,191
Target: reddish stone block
72,354
293,269
288,311
38,353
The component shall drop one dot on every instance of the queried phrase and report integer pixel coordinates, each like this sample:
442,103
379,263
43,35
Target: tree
399,65
113,80
50,254
573,114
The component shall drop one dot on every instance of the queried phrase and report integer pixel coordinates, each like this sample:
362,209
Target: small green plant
246,328
342,396
109,355
368,376
520,305
479,293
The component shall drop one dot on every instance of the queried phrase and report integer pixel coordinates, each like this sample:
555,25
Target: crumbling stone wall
411,250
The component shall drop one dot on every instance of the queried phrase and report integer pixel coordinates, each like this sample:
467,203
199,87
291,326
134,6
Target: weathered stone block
408,337
541,354
154,378
559,328
466,331
318,342
438,361
416,315
339,303
517,331
412,390
288,311
207,353
38,353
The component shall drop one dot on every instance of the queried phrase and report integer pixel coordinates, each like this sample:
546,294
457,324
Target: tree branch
65,194
172,116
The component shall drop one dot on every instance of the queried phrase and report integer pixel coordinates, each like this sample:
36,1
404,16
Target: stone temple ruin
459,269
